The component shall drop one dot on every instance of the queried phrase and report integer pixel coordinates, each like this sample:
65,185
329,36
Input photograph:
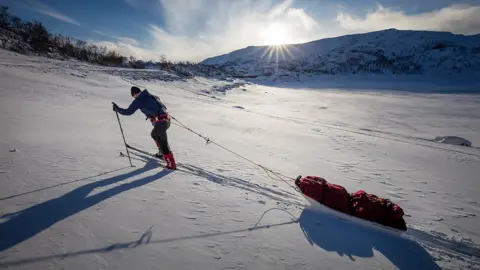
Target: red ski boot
170,161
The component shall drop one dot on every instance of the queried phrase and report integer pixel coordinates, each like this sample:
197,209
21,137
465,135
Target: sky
192,30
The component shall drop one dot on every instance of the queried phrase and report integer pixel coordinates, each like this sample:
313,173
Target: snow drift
454,140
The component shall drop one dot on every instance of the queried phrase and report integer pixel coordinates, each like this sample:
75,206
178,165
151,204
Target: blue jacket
149,104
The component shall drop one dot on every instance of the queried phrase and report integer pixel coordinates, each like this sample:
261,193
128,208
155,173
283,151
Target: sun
275,34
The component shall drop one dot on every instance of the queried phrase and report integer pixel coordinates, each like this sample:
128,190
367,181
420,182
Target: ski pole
126,148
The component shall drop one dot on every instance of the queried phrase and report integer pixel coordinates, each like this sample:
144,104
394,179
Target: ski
145,152
162,162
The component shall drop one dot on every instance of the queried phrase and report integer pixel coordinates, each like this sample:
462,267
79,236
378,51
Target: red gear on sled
376,209
331,195
359,204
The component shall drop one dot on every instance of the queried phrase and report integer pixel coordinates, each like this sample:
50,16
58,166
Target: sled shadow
26,223
350,239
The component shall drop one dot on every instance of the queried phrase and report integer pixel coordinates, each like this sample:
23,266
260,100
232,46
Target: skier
157,113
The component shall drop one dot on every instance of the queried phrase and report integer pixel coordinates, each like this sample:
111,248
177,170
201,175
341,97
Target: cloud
126,49
124,45
124,40
461,19
132,3
197,29
307,21
101,33
46,10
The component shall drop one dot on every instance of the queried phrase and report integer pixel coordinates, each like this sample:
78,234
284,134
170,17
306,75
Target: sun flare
275,34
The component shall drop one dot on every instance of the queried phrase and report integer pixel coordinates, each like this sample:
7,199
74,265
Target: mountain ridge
389,51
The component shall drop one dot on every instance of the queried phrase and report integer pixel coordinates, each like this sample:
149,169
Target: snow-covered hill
69,201
383,52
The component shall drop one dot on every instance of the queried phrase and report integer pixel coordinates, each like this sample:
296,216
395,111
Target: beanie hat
135,90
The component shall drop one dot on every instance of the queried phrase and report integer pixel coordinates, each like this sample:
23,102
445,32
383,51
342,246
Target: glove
114,106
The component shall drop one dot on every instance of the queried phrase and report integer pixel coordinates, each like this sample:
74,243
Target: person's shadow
350,239
26,223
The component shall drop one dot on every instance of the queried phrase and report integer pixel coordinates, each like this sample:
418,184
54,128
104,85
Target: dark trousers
159,135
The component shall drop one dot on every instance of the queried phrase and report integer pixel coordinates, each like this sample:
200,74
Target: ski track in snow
68,201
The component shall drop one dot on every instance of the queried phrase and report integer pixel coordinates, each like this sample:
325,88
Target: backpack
330,195
376,209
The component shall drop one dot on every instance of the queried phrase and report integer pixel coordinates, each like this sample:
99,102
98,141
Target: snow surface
68,200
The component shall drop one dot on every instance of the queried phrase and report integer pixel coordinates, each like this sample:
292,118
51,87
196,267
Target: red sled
330,195
360,204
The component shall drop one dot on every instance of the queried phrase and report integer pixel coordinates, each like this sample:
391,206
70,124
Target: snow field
69,201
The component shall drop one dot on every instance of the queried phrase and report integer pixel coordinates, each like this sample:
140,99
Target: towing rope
269,172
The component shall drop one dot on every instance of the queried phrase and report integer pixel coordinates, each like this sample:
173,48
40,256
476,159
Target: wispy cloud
127,49
133,3
100,33
46,10
124,45
125,40
197,29
462,19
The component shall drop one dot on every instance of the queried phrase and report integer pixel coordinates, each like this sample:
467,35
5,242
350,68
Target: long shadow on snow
234,182
350,239
61,184
237,182
145,239
27,223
